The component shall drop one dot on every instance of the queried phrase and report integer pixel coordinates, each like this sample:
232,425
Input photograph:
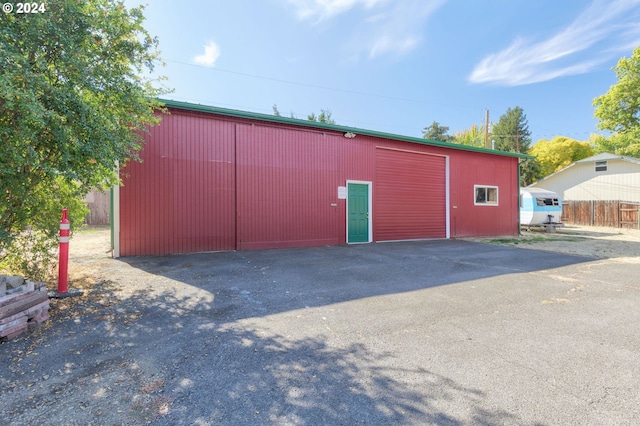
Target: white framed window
485,195
601,166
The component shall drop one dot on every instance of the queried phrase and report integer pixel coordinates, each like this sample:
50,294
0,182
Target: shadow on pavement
186,340
274,281
149,361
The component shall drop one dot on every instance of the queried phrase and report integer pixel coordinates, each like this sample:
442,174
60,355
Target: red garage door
409,195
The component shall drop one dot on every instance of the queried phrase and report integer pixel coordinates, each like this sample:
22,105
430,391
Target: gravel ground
84,366
591,241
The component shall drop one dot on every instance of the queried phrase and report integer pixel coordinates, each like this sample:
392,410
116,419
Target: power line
351,123
315,86
355,92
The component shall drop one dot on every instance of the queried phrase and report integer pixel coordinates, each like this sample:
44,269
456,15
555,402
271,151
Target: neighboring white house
601,177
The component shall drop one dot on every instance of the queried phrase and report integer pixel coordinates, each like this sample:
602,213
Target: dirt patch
590,241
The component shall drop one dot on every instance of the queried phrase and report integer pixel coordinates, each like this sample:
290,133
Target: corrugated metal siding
469,220
287,183
356,160
409,196
143,227
182,197
218,183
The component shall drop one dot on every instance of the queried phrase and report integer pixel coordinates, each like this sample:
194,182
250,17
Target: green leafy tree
511,132
530,172
626,143
474,136
436,132
76,95
559,152
323,117
618,110
32,252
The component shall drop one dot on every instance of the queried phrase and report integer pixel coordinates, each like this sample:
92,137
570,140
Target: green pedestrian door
358,212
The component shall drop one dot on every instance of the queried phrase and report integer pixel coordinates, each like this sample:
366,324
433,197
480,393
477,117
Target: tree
76,95
618,110
511,132
436,132
626,143
275,110
529,172
324,117
559,152
474,136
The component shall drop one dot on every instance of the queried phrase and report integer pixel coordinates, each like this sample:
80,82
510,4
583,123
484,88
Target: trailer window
486,195
601,166
547,201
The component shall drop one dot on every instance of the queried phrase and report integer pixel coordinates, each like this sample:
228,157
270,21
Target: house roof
343,129
607,156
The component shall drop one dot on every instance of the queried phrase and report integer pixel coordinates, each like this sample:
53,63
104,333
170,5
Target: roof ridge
335,127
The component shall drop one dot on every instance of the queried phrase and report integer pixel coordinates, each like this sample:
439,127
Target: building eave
330,127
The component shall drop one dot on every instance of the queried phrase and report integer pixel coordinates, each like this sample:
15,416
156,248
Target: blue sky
398,65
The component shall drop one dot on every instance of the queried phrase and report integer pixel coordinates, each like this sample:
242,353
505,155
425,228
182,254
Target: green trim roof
337,128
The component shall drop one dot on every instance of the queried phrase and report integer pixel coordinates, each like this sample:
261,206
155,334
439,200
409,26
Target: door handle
366,215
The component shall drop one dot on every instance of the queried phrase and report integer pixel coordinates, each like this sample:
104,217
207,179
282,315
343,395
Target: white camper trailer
540,207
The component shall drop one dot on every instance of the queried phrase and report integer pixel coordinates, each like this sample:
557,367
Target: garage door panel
409,196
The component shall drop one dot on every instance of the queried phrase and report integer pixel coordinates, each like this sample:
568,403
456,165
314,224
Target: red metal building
217,179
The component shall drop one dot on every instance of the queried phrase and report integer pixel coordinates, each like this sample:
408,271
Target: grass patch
503,241
86,229
531,240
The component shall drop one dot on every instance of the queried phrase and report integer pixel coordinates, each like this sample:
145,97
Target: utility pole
486,129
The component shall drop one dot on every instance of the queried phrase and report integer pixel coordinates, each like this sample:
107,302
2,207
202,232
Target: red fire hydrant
63,257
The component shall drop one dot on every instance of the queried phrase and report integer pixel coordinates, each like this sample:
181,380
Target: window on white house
486,195
601,166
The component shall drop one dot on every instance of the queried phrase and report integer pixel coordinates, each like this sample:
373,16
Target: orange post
63,259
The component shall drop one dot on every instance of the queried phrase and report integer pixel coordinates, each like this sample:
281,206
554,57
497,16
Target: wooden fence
98,203
616,214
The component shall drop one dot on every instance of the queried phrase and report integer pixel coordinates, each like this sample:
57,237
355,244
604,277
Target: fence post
619,214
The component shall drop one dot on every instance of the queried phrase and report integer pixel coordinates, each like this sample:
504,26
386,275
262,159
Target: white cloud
386,43
210,55
400,29
597,35
379,27
323,9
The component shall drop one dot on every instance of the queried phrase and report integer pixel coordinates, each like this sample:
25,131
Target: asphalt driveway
433,332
